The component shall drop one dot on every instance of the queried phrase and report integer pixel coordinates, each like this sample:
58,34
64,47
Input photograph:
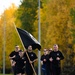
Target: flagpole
39,53
25,50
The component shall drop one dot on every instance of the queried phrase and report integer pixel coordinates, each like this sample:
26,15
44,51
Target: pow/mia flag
28,39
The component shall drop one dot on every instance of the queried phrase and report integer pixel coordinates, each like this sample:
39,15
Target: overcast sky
7,3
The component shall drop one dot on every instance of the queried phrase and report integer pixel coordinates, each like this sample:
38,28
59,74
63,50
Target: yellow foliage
56,24
11,37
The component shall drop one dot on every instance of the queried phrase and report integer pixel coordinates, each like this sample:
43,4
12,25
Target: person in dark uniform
33,58
55,57
45,63
12,55
20,63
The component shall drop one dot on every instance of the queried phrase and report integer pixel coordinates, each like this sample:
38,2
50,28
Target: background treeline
57,26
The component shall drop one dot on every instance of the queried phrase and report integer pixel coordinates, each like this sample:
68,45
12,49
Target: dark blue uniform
55,64
11,55
46,64
20,65
32,56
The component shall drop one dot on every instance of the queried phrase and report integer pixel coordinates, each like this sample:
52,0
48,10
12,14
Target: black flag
28,39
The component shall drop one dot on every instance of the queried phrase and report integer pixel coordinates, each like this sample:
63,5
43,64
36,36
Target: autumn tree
56,24
26,14
1,43
11,36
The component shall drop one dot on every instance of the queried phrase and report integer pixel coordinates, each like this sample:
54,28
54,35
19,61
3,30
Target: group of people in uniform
51,61
22,62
